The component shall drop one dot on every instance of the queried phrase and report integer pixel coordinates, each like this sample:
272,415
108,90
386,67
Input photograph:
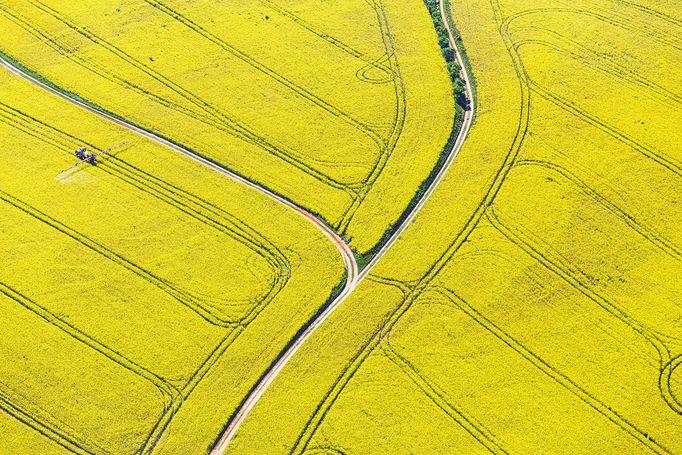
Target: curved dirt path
270,375
344,249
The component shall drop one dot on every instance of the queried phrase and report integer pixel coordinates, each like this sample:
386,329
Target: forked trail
353,275
270,375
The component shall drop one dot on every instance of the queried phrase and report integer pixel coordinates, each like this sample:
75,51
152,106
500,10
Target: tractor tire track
509,159
102,250
175,197
627,25
204,367
238,129
398,121
327,403
657,157
552,372
646,232
294,87
172,397
326,450
280,267
578,280
214,355
665,382
604,65
168,391
103,72
345,252
157,432
651,12
326,37
332,395
364,73
439,398
392,68
344,378
50,430
100,70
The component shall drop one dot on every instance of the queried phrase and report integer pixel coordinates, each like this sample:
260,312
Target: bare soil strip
270,375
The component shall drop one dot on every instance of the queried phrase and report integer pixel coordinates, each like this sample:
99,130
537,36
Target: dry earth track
344,249
353,275
270,375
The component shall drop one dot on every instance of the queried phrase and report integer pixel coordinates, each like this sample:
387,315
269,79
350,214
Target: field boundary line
422,284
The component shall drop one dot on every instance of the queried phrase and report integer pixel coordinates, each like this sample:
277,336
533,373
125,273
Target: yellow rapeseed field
343,108
534,305
142,297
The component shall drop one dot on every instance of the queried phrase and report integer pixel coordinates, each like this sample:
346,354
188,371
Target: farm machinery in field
86,156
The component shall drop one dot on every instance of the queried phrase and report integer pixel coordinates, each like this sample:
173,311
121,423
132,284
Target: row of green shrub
458,86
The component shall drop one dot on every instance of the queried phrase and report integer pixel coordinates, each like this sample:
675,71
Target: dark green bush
459,91
454,70
449,54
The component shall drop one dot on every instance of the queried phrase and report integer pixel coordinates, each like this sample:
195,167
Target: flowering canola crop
533,306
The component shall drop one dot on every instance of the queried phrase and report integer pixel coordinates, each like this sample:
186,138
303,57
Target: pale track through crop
215,118
269,376
330,397
429,387
349,261
174,197
235,328
92,66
